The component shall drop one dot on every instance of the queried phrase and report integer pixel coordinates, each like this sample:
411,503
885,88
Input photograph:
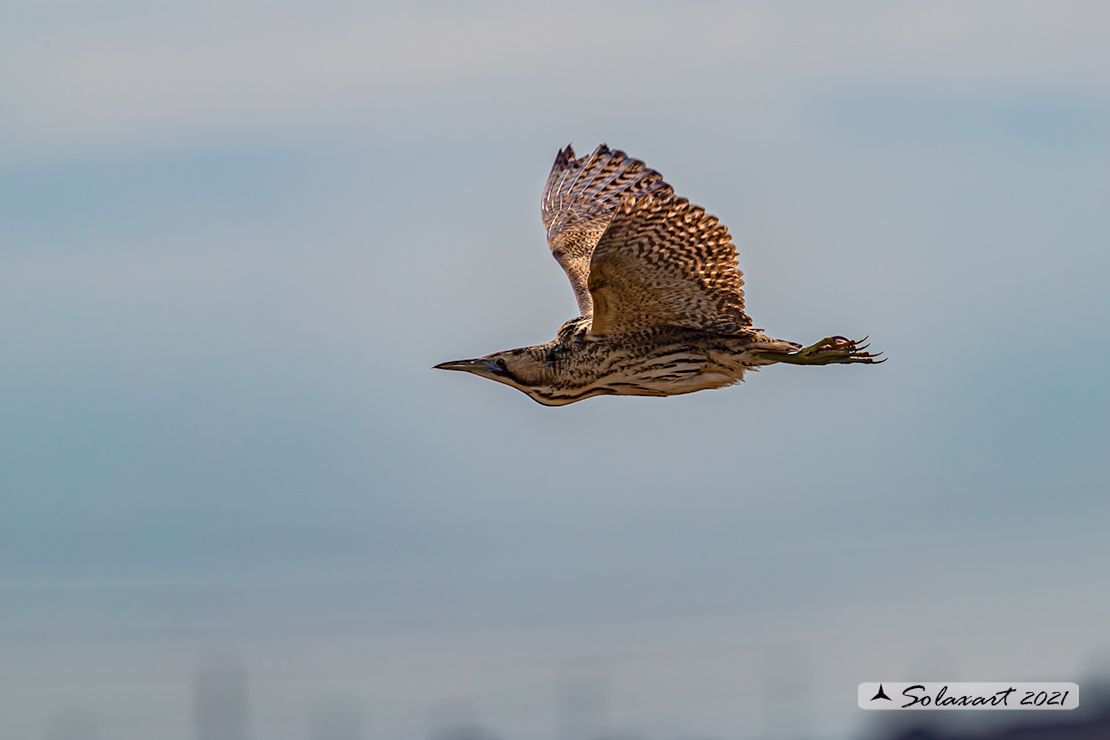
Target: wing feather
664,262
578,202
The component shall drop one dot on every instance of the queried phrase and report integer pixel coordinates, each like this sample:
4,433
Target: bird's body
664,361
659,290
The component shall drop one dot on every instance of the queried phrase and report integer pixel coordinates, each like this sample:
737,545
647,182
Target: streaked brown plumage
658,288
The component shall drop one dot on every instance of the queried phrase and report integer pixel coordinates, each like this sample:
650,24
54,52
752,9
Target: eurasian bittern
659,291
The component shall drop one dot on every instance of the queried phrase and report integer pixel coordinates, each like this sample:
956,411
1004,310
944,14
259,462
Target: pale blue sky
235,238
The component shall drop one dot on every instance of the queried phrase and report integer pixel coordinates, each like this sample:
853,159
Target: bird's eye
500,362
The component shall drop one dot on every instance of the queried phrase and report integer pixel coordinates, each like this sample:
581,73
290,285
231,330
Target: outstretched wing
664,262
578,203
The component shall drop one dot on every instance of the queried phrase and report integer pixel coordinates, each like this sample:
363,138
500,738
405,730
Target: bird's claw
836,350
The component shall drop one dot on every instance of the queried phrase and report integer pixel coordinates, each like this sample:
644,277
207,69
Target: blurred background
236,502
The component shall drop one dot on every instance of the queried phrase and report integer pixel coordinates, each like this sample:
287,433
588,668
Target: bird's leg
830,350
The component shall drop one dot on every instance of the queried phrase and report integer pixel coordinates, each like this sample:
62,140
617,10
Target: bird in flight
659,292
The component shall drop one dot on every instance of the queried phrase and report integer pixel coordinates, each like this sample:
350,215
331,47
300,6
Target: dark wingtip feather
564,158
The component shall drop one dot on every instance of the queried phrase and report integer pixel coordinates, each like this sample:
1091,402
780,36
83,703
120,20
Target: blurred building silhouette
456,719
221,708
336,719
72,724
787,700
464,732
581,709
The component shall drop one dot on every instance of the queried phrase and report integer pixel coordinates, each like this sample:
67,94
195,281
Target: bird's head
549,373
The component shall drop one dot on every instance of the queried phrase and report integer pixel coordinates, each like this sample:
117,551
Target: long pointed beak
478,367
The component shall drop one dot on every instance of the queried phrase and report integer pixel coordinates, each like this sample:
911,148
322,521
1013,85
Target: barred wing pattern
578,203
664,262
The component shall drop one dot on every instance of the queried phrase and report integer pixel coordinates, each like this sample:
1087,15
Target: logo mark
880,694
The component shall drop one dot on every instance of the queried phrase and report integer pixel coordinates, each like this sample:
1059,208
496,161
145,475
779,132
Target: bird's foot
829,351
